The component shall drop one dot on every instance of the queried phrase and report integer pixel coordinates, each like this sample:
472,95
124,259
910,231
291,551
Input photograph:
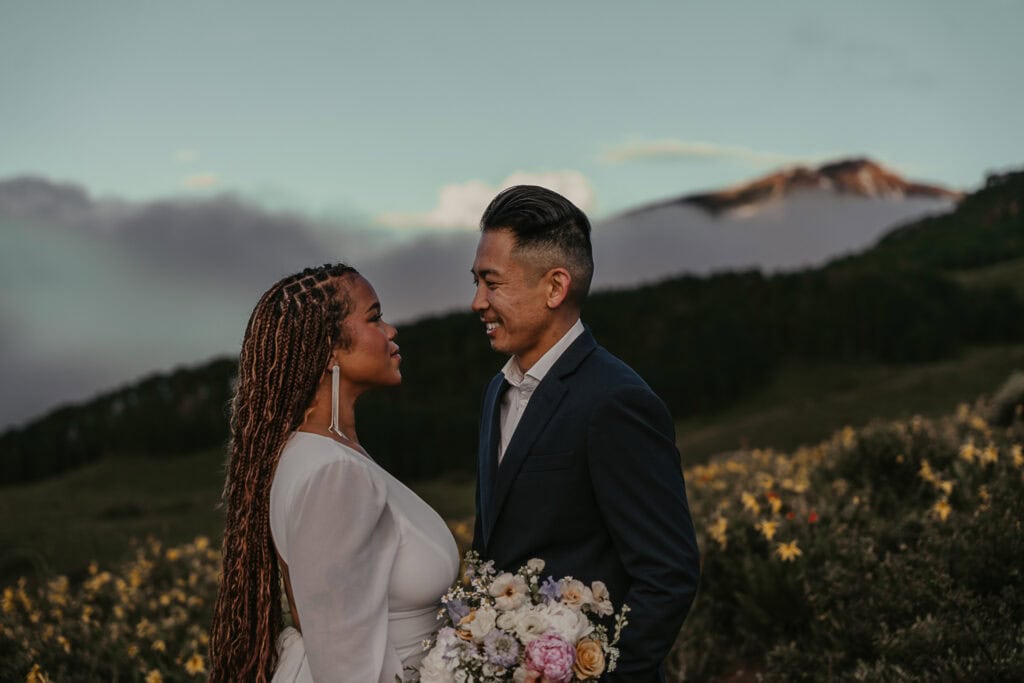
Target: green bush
910,546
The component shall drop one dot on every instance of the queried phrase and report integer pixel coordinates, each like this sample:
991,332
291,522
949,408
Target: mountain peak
861,177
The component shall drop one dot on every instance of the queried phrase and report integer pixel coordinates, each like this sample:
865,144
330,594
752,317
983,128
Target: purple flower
551,656
501,648
551,590
456,610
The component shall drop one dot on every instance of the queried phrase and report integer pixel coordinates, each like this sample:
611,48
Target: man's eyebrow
375,304
483,273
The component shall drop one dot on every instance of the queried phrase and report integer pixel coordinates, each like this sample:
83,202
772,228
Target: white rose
434,669
530,624
567,622
536,565
483,623
507,620
519,675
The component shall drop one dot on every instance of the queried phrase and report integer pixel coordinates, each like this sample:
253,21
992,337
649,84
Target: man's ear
559,282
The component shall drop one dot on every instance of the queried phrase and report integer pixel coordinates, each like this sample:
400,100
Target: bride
363,559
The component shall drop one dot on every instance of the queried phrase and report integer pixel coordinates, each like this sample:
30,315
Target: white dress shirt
513,403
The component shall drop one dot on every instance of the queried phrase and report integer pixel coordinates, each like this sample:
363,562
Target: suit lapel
487,456
545,400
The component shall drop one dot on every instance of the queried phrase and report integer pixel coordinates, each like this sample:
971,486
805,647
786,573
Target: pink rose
551,656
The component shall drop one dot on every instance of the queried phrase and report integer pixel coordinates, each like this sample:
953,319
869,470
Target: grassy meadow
832,486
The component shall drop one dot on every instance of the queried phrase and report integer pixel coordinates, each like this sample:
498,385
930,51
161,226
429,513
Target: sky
184,155
369,111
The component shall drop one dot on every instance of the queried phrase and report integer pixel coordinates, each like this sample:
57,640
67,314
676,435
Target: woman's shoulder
306,455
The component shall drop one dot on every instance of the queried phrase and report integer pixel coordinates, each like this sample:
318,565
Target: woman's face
372,358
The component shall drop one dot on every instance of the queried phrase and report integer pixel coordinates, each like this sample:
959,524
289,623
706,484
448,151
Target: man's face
511,299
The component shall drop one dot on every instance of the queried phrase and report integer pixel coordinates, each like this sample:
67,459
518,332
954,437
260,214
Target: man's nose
479,299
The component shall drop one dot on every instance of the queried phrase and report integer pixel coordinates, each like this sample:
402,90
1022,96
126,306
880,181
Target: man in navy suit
577,463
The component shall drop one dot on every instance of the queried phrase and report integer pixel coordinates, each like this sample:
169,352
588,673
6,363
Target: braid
291,333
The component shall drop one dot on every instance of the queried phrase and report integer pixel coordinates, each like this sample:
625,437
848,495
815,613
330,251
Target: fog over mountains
96,292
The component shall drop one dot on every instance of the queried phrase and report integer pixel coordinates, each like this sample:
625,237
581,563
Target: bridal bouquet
515,627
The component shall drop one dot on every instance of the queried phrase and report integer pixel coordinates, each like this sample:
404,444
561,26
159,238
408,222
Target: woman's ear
559,282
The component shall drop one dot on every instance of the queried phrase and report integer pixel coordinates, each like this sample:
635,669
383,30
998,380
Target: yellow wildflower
202,542
941,509
195,664
968,451
717,531
1018,456
750,503
132,651
165,600
788,552
767,528
983,493
944,485
173,554
154,677
204,638
36,675
8,600
978,423
159,646
990,454
774,501
64,643
765,480
849,437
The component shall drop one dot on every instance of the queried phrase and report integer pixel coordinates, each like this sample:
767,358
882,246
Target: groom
577,463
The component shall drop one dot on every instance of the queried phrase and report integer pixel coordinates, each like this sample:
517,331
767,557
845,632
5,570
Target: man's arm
638,482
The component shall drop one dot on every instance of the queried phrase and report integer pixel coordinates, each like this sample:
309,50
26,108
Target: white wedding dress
368,562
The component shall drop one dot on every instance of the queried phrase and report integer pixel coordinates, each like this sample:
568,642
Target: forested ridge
702,343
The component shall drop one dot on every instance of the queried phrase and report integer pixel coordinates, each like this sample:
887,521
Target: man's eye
377,318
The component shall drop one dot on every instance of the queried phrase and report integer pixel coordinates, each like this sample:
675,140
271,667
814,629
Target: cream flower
575,594
509,591
602,603
482,623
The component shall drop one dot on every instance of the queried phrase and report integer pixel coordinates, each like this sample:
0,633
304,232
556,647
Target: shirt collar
514,374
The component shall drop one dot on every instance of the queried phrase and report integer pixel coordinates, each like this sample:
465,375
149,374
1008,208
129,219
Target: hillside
702,343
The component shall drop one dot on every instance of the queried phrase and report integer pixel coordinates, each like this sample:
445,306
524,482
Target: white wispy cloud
201,181
460,205
672,148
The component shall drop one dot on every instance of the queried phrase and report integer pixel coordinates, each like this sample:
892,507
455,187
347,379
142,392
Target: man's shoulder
610,372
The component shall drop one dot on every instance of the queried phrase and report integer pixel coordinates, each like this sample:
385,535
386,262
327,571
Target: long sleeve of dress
340,546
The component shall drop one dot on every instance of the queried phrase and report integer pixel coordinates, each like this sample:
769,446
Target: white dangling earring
335,377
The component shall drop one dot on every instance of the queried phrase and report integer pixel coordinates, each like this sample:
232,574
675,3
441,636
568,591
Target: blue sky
375,132
368,110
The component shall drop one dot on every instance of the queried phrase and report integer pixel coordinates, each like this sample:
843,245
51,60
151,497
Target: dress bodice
367,557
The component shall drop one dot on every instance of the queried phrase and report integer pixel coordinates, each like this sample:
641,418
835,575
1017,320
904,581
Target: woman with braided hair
364,560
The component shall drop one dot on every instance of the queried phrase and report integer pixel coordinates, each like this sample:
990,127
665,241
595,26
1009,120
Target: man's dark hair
549,230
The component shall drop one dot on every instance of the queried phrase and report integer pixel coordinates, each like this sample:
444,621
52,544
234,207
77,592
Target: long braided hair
288,341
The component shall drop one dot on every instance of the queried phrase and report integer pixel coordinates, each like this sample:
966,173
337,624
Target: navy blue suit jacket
591,483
